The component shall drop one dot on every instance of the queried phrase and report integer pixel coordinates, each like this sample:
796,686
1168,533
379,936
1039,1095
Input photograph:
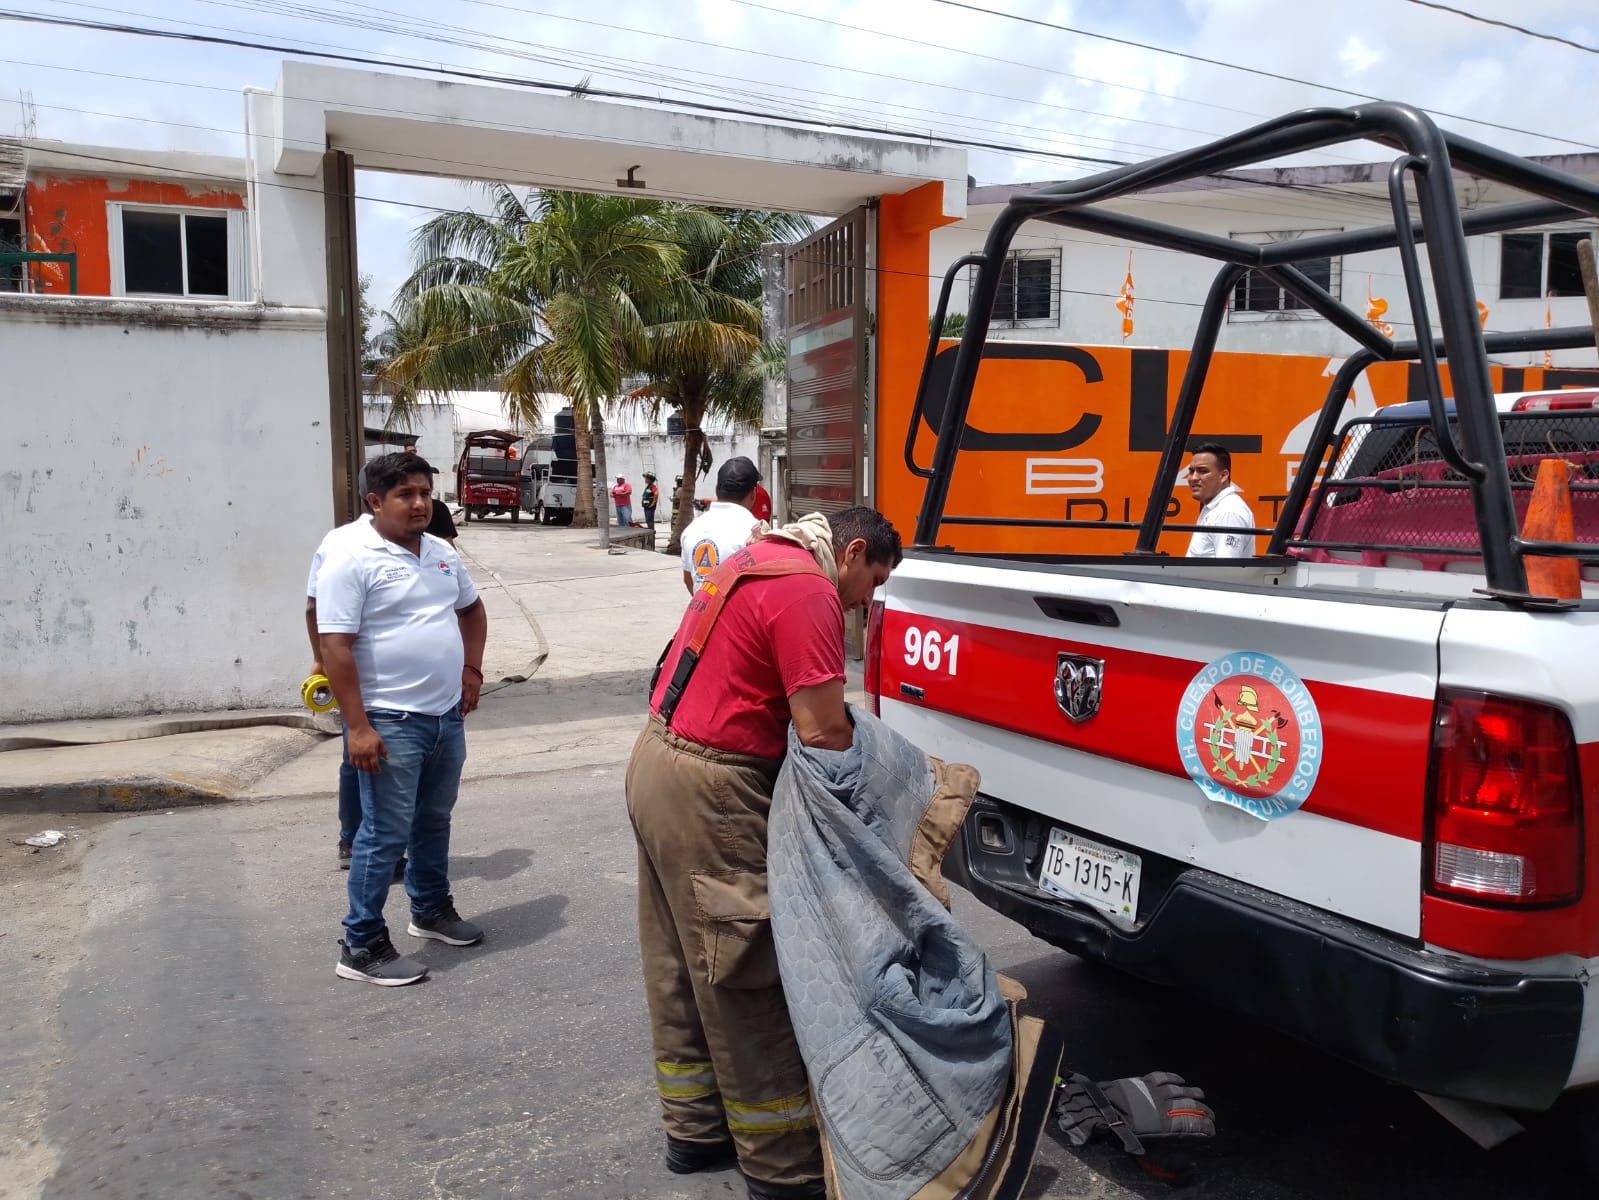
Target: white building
1065,282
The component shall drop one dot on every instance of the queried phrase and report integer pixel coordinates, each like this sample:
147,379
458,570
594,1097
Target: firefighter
651,497
699,786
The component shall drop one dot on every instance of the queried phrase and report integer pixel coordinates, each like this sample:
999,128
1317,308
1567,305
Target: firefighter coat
924,1077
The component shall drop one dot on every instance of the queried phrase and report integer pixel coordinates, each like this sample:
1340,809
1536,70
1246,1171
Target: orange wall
903,259
67,213
1057,431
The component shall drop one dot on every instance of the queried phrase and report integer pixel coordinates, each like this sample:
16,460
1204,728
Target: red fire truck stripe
1374,760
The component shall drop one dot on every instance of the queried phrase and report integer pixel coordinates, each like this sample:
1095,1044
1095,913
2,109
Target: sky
927,68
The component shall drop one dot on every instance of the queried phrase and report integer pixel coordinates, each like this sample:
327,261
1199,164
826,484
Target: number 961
931,651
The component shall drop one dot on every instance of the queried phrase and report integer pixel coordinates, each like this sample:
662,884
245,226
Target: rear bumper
1442,1025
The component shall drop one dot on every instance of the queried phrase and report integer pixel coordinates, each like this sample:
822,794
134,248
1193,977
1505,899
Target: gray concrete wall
163,483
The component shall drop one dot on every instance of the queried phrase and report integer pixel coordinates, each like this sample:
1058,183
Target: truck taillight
1573,401
874,656
1506,802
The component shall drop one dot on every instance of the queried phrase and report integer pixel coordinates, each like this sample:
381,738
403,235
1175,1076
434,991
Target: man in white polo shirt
725,526
401,631
1222,507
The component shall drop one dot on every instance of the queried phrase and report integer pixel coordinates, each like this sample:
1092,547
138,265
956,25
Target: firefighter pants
725,1057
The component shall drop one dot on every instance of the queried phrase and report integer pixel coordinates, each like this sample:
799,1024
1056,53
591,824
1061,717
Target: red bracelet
471,668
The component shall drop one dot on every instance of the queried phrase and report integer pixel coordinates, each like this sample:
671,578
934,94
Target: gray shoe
378,962
445,925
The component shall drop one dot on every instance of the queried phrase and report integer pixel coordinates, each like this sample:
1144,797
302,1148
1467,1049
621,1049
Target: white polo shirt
401,607
332,535
713,535
1227,510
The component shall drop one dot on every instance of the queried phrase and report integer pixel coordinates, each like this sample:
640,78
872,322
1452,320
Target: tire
1578,1115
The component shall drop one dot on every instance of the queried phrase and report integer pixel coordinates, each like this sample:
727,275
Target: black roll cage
1429,155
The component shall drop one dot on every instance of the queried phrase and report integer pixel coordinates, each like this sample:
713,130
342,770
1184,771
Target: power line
462,167
518,81
1216,62
1522,29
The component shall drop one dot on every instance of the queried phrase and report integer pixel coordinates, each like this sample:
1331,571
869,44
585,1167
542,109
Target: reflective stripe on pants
710,969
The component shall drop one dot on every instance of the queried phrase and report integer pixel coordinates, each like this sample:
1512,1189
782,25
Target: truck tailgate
1264,734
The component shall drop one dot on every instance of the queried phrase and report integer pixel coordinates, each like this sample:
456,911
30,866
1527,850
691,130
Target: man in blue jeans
349,787
401,631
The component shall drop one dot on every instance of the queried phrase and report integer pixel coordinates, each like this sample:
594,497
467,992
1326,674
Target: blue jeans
349,796
624,515
407,803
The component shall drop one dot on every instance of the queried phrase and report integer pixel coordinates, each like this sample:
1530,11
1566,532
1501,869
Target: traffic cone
1549,520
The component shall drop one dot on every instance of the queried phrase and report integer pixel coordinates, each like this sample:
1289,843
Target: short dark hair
1222,455
873,528
387,471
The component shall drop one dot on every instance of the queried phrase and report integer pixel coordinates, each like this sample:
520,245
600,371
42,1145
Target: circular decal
1249,734
705,558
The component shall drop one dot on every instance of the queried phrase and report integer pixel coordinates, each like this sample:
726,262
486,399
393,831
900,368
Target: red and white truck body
1347,787
1408,880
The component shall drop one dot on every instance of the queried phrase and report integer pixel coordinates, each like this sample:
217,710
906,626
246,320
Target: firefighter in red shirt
699,786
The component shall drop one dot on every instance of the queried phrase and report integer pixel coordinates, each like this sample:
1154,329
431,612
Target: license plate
492,500
1076,868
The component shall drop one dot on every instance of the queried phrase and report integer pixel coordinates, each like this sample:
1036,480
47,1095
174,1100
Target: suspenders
708,602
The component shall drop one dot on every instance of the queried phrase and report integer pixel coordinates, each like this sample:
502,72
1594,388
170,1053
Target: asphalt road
174,1029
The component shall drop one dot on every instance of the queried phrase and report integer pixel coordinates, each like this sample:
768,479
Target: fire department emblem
1249,734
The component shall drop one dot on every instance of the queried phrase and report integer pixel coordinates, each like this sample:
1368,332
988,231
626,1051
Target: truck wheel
1581,1116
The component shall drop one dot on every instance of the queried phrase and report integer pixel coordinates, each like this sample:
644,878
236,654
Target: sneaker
445,925
684,1158
378,962
344,855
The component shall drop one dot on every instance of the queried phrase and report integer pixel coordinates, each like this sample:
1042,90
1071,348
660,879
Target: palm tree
540,295
705,354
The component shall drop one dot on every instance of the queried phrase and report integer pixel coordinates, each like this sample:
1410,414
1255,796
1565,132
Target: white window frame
238,250
1543,262
1335,278
1055,267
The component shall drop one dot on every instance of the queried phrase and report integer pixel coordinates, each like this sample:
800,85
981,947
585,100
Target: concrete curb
187,769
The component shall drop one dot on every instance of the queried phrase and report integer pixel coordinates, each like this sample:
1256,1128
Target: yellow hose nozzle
317,694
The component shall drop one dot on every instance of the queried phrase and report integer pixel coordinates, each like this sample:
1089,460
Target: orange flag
1548,323
1375,308
1125,304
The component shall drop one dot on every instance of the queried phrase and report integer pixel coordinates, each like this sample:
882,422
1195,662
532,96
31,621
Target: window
1257,298
1531,264
11,274
177,252
1029,290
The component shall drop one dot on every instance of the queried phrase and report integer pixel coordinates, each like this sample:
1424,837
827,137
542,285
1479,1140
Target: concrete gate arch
309,135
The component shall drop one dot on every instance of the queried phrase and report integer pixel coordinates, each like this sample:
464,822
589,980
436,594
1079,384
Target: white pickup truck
1348,788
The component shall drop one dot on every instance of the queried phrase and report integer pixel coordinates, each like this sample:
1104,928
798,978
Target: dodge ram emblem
1078,682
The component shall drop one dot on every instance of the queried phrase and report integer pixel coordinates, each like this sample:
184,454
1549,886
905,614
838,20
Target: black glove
1137,1109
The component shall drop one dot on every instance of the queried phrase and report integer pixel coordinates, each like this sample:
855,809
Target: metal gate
346,410
826,324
